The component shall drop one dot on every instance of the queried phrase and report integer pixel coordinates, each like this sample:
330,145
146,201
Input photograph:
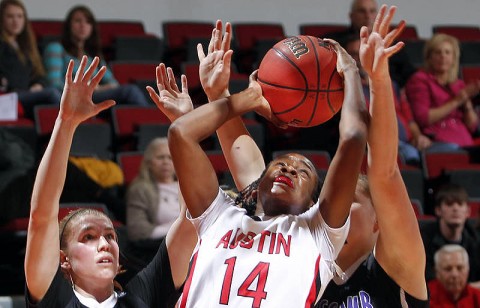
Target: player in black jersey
382,263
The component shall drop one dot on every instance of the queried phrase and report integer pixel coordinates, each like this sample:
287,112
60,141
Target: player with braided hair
239,261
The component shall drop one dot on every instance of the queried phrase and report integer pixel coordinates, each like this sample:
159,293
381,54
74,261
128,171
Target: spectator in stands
80,36
21,65
450,289
451,227
362,13
441,102
152,201
411,139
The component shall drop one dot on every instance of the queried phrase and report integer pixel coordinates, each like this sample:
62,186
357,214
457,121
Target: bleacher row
133,54
127,43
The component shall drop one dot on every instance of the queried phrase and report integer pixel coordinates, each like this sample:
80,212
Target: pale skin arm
399,248
42,255
181,240
182,237
237,145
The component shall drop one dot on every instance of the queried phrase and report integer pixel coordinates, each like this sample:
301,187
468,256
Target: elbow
354,138
177,132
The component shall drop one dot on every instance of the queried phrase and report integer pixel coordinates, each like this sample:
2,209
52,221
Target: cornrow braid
247,198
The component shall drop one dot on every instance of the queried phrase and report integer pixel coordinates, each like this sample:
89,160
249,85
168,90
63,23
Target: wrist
213,97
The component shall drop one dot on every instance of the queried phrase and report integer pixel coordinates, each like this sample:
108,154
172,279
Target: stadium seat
126,121
138,48
245,38
461,32
321,29
414,51
129,162
434,164
148,132
92,138
470,53
410,33
133,71
414,182
470,73
176,35
109,30
468,177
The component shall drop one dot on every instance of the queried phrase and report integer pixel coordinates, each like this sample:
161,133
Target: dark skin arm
335,206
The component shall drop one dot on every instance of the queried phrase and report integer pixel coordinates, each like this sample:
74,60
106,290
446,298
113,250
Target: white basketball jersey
281,262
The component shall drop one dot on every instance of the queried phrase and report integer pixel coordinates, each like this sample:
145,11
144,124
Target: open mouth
284,180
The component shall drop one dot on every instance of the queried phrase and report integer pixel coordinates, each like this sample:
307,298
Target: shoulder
54,46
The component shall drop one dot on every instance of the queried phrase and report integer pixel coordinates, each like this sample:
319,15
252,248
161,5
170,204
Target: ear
64,262
375,226
437,210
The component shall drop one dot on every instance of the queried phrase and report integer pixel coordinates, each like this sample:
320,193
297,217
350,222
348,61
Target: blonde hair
433,43
145,177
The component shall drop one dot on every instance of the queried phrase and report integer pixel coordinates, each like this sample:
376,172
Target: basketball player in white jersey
285,256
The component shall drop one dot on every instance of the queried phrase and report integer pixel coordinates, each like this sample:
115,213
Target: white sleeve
329,240
208,218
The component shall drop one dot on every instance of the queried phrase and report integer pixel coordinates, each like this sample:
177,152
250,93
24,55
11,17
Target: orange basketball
299,79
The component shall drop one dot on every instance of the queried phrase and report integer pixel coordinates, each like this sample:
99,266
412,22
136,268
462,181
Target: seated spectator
441,102
21,66
152,201
80,37
411,139
450,289
451,227
362,13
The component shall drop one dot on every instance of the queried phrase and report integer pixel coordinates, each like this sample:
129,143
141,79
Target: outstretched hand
375,47
76,103
170,100
344,60
215,66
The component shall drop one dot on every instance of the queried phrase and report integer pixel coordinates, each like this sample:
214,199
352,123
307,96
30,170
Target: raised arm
399,247
43,246
181,237
338,189
242,154
195,173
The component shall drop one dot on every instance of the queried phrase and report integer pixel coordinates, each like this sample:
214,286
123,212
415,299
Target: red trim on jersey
316,283
188,282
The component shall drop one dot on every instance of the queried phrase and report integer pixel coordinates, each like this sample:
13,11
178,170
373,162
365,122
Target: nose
289,169
103,244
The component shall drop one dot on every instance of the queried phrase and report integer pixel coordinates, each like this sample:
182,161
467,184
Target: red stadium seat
434,164
130,164
127,119
461,32
133,71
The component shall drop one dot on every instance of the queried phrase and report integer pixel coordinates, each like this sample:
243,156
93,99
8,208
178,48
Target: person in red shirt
450,288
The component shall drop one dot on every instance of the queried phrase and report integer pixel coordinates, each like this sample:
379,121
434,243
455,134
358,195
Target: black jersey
368,286
151,287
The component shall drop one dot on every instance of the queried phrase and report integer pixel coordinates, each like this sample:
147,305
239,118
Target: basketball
300,81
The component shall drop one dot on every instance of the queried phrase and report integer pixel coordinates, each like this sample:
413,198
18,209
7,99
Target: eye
88,237
111,236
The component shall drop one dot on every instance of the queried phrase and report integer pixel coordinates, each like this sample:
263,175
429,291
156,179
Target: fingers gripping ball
299,79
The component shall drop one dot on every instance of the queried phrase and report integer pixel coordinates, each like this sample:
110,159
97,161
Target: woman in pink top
441,103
